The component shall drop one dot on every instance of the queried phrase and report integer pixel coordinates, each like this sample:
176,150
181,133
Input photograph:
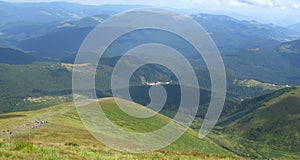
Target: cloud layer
259,3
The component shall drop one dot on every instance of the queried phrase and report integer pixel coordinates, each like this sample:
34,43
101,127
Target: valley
39,43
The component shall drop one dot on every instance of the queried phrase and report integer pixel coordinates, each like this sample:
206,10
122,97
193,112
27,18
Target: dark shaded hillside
291,51
265,127
15,32
13,56
233,35
58,44
264,65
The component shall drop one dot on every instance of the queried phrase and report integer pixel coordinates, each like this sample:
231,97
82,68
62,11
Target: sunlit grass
65,137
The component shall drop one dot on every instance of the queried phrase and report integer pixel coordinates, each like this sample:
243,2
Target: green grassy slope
266,127
65,137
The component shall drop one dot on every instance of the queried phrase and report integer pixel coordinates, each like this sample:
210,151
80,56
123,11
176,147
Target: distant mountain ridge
295,27
249,48
232,35
54,11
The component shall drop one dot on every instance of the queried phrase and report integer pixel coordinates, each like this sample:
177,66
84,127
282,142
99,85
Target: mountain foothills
38,46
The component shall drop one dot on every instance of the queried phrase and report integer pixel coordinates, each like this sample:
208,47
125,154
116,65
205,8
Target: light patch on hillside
75,16
65,25
254,49
85,68
46,98
81,67
98,19
288,49
46,13
254,83
69,67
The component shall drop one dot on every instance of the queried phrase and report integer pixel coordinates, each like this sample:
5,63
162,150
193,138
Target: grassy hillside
64,136
265,127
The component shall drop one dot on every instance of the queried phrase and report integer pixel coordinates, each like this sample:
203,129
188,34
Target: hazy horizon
282,13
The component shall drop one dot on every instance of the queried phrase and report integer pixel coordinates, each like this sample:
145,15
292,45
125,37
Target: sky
281,12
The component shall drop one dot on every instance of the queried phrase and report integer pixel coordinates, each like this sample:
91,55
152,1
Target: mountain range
38,46
54,11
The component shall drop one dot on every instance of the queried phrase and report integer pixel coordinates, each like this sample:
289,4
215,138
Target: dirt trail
35,122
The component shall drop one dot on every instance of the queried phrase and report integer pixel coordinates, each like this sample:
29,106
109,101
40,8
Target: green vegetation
64,137
265,127
40,85
35,73
50,84
254,83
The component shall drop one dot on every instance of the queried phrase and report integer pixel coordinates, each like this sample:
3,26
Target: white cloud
283,7
260,3
296,6
237,3
194,1
272,3
269,3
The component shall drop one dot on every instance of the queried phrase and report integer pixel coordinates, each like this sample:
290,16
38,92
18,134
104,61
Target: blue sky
282,12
